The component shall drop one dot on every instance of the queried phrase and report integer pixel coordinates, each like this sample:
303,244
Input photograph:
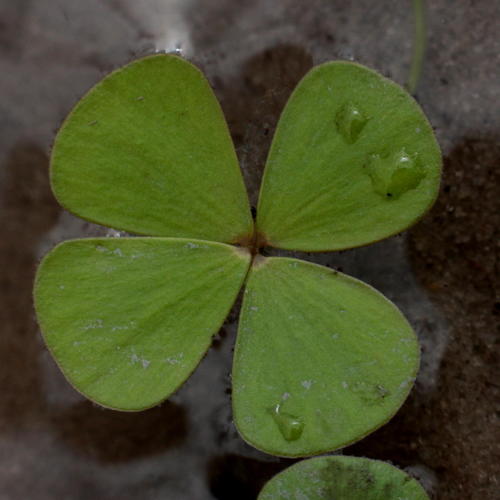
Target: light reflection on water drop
350,122
370,393
290,426
392,175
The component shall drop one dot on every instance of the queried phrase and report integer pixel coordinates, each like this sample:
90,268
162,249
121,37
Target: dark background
53,443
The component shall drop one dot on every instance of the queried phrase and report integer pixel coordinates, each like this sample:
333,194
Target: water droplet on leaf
290,426
394,174
370,393
350,122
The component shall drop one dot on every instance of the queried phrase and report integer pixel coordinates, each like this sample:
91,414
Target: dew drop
394,174
290,426
350,122
370,393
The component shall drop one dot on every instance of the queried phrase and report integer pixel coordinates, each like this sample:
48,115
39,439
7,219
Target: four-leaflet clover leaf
321,359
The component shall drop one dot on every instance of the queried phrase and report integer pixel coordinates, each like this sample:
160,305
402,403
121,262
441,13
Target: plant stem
418,46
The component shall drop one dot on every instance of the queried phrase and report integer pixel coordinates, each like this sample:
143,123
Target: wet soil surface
443,273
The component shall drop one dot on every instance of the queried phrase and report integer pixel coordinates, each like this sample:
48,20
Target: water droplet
290,426
394,174
113,233
178,49
350,122
370,393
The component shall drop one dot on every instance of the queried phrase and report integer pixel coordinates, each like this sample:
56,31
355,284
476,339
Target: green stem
418,46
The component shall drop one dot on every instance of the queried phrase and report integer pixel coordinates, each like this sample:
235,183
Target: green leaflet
321,359
147,150
342,478
353,160
129,319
